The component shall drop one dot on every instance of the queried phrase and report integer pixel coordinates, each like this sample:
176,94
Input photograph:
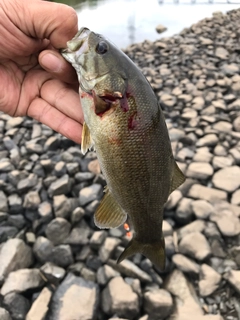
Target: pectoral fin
177,179
87,142
153,251
109,214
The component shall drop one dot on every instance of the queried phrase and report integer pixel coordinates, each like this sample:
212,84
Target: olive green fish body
125,123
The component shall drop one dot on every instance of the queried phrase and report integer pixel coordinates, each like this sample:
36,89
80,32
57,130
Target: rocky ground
55,264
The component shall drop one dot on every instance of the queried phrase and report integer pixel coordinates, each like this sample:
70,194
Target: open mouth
78,44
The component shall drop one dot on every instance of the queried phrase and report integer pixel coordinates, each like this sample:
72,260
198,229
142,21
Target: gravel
55,263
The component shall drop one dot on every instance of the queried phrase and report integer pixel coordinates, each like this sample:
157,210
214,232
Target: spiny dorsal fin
153,251
86,139
177,179
109,214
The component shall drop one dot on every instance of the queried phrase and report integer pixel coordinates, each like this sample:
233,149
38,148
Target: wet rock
14,254
22,280
79,235
58,230
158,304
195,245
40,306
227,179
97,239
77,215
17,305
51,143
185,264
28,183
209,280
7,232
89,194
74,291
119,298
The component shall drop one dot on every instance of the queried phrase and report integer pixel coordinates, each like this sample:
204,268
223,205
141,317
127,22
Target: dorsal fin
177,179
109,214
87,142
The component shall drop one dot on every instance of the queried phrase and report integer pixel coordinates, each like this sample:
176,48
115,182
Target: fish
124,123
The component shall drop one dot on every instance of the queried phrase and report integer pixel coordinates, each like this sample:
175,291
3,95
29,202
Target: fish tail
154,251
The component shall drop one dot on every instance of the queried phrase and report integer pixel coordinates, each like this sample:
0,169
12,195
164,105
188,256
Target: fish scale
126,126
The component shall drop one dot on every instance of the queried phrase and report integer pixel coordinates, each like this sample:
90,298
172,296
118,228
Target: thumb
54,21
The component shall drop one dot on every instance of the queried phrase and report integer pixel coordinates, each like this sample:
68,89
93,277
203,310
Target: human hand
35,80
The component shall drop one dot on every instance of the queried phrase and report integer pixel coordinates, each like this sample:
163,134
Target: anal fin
177,179
109,214
87,142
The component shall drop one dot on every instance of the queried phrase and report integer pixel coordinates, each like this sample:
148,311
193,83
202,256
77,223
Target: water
130,21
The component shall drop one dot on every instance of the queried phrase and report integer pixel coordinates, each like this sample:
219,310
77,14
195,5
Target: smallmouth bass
125,124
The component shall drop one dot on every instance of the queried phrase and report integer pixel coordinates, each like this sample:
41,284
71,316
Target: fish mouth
77,46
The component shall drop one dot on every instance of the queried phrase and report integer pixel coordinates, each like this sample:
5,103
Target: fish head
96,61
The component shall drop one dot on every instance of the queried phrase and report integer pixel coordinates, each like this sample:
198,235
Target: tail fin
153,251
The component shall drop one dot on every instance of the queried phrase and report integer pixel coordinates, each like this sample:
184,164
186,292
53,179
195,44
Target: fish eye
102,47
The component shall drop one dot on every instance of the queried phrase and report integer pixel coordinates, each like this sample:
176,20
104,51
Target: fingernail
51,62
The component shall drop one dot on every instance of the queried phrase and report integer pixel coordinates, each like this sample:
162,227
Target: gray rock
202,209
62,255
79,235
52,273
158,304
58,230
184,211
106,273
108,247
28,183
203,155
195,226
236,124
167,229
129,269
7,232
97,239
119,298
17,305
209,280
31,200
22,280
60,168
40,306
60,186
14,122
220,162
4,314
45,210
52,143
236,198
198,191
77,215
185,264
6,165
167,100
88,274
223,126
160,28
227,179
230,69
195,245
43,249
14,254
199,170
37,131
3,202
89,194
208,140
75,298
221,53
233,277
173,199
227,222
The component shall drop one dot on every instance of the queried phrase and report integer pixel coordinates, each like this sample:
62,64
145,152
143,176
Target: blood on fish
124,103
132,122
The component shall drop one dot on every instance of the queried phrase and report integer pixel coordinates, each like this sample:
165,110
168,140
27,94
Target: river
130,21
